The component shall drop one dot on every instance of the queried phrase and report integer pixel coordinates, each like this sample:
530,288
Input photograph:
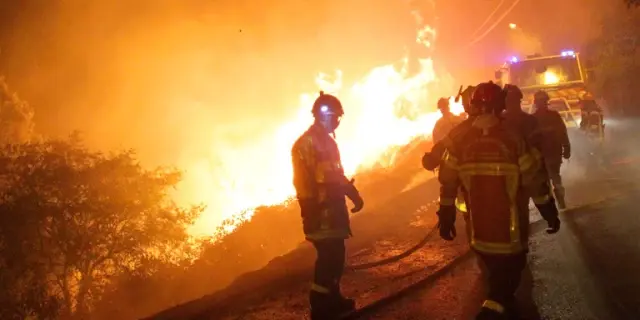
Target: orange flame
386,108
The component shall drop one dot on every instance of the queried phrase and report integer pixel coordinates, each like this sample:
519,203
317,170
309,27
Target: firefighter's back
553,131
487,153
524,124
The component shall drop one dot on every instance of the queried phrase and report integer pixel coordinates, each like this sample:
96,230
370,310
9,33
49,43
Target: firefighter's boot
492,310
549,212
488,314
322,306
341,304
512,311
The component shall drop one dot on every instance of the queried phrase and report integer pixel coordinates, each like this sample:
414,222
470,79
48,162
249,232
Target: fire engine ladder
569,115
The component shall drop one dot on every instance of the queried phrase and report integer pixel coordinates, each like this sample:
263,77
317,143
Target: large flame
389,107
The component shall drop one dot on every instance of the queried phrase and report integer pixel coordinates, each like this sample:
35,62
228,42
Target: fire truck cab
562,76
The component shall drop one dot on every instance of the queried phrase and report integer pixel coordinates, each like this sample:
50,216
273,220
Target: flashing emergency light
513,59
568,53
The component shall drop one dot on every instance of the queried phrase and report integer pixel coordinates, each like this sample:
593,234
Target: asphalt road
587,271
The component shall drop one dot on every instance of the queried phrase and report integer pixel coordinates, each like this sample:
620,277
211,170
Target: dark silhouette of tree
72,219
616,60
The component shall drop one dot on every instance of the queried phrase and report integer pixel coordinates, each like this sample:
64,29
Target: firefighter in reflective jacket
494,167
446,123
554,143
431,160
321,187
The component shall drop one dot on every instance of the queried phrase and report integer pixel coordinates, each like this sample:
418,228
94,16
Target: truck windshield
548,71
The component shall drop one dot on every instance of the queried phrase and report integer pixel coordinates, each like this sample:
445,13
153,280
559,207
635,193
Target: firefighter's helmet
466,99
443,103
541,97
512,91
327,104
488,97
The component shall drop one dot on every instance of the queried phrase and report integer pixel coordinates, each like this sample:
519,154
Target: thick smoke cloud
140,72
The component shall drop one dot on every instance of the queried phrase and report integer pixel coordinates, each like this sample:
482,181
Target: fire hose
408,252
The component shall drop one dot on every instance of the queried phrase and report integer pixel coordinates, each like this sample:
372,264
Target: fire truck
565,79
562,76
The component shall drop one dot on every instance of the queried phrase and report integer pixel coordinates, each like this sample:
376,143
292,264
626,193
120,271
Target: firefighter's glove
353,195
430,162
566,152
446,222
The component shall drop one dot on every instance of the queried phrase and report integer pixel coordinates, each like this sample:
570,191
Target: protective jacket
494,166
432,160
527,126
553,135
444,125
321,185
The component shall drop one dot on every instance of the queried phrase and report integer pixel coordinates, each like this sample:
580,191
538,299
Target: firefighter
591,118
446,123
494,167
526,125
516,118
554,143
321,187
431,160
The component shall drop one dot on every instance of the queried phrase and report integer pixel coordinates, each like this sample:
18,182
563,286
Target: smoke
524,43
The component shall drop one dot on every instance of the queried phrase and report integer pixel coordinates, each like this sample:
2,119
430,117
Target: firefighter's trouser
553,170
325,297
329,265
504,275
467,227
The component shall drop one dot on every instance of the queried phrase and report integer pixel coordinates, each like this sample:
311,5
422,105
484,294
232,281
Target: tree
72,219
16,117
616,60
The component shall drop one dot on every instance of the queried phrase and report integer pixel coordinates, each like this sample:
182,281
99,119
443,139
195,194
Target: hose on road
408,252
366,311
